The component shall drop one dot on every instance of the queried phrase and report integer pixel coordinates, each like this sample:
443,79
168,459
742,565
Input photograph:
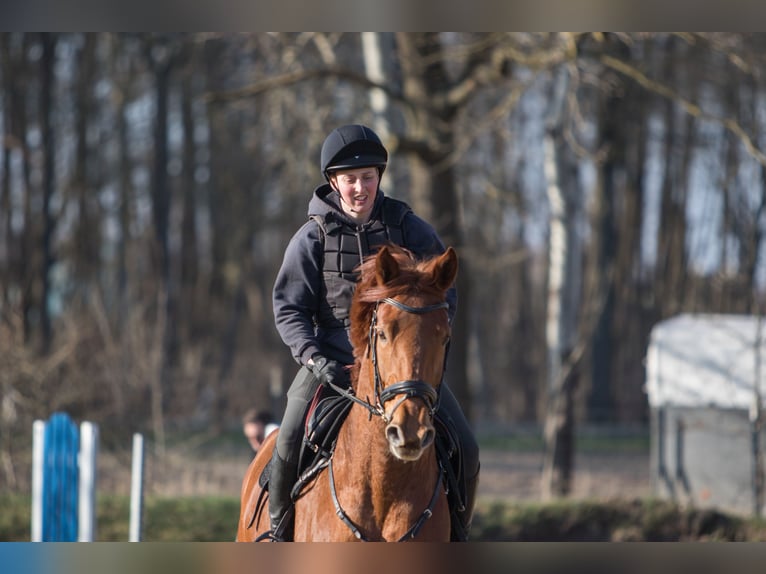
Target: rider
349,217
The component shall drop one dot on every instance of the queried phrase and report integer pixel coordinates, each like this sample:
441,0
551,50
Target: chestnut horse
383,481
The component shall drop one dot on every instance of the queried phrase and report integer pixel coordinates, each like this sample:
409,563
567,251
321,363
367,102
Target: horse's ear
386,267
445,269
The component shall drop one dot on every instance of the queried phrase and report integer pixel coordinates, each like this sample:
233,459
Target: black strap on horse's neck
412,532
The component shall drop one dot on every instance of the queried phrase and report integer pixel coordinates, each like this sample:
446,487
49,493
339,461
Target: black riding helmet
352,146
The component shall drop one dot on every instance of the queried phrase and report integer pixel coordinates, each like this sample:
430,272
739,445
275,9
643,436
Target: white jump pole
86,526
38,449
137,488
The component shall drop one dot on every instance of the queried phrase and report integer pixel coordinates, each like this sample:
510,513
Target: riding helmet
352,146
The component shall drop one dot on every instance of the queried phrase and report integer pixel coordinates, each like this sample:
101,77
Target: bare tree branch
495,66
298,76
690,108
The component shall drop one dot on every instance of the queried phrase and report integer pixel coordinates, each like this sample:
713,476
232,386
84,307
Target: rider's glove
329,372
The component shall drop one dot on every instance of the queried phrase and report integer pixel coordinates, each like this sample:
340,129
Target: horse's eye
381,335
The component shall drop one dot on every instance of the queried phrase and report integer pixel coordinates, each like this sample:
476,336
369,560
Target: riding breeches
299,396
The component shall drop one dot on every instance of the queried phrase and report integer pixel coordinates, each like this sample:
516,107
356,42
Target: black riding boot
281,480
461,530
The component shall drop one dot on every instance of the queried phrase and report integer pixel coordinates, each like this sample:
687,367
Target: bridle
411,388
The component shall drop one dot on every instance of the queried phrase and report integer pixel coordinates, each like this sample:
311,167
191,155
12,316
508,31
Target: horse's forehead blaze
413,338
432,321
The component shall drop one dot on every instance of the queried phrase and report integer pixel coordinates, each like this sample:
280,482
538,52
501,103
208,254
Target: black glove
329,372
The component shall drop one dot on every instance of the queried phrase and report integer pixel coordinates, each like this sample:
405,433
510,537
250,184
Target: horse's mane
413,278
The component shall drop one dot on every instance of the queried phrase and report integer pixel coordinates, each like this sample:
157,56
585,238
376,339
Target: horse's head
400,332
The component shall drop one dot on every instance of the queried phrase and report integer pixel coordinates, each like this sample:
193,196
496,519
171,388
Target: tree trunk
564,279
87,236
671,270
22,243
6,272
121,88
373,65
161,59
189,248
753,245
602,255
47,64
435,195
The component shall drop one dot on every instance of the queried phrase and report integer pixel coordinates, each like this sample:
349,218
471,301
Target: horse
384,480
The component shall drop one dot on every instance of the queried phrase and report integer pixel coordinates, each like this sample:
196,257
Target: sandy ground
504,475
516,475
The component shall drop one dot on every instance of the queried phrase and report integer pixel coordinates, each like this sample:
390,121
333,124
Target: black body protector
344,249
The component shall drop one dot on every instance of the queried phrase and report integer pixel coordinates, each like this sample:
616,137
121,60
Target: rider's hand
328,371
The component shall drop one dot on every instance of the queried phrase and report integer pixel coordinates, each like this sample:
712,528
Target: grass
619,520
214,519
199,519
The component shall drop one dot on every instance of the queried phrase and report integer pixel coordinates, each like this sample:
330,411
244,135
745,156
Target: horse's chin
406,454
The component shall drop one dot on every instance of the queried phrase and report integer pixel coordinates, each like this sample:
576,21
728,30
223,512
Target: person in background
256,426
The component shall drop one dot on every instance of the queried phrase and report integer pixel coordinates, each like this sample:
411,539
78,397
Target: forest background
593,185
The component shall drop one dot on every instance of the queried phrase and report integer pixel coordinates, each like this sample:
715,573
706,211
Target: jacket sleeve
421,238
297,290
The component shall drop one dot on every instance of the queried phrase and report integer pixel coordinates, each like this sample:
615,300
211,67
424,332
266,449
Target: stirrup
270,536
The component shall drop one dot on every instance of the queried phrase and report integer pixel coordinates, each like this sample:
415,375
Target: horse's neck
363,435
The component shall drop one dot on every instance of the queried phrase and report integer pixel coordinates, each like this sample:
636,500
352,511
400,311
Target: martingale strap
412,532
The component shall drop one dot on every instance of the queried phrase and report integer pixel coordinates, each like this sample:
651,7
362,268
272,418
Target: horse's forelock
413,278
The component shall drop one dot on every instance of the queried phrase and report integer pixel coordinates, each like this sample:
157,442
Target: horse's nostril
394,435
428,438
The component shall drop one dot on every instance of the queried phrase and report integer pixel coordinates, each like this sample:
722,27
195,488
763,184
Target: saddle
326,414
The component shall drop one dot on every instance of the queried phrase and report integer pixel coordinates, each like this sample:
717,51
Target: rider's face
357,188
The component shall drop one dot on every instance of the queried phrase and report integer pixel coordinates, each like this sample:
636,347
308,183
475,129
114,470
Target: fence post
63,480
38,449
86,531
137,488
60,478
